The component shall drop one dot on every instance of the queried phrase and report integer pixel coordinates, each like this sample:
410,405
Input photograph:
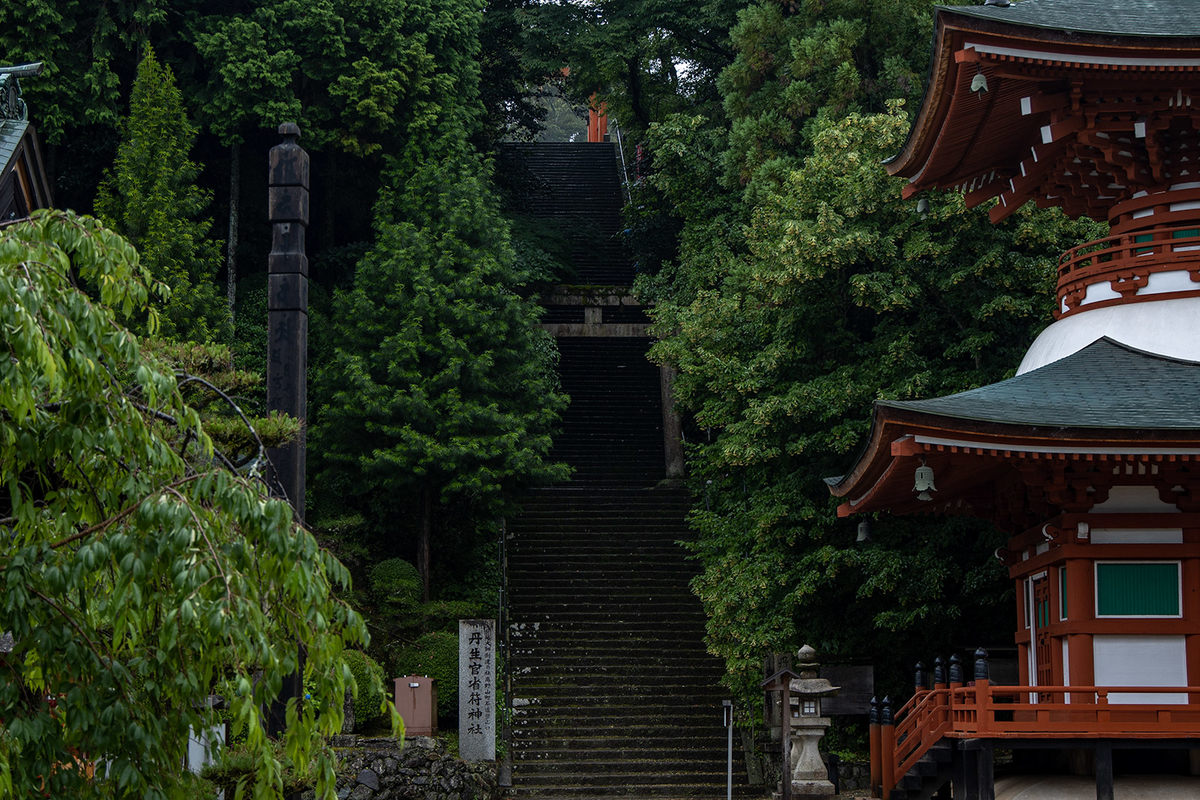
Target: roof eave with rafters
980,142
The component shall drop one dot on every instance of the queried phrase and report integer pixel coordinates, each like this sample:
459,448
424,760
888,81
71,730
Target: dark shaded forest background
791,286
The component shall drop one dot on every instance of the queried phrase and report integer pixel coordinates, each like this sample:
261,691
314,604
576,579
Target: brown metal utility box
416,703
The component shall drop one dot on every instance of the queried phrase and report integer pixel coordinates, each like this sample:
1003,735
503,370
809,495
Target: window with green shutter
1143,237
1137,589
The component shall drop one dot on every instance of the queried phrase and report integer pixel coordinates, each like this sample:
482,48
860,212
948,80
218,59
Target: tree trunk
235,184
424,535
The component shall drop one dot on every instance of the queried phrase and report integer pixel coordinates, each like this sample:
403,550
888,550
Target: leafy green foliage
237,768
436,655
136,577
371,686
81,44
151,198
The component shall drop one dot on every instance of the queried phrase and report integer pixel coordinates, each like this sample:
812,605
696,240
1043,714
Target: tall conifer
152,199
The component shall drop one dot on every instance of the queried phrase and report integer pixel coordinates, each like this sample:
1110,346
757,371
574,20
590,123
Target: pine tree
151,198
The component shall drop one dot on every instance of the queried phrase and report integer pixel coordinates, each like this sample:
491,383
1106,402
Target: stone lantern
810,778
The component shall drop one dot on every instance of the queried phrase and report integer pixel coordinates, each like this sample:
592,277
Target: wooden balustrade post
982,691
942,708
876,751
919,678
956,680
887,745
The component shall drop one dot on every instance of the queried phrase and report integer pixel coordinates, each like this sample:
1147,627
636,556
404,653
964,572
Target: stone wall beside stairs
377,768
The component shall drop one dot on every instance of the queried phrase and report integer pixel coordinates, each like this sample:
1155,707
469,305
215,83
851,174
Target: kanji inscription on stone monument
477,689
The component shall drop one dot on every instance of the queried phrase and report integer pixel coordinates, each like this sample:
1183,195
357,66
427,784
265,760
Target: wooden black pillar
1104,771
987,773
287,309
965,772
287,342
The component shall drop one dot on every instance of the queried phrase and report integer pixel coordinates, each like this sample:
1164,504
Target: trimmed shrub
396,583
444,615
435,655
367,704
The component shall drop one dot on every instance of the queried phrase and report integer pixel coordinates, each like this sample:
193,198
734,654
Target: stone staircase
612,431
578,187
614,694
929,776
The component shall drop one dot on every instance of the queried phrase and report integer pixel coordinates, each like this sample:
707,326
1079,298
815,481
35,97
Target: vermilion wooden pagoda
1090,457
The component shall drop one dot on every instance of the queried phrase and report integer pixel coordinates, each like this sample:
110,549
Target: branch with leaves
137,574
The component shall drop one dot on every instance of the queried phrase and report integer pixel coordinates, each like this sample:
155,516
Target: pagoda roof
1106,402
1083,104
1101,386
1158,18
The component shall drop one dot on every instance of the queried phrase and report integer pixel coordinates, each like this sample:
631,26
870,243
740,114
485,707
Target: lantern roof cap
1156,18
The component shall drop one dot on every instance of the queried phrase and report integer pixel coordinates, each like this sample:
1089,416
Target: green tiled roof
1104,385
1165,18
11,131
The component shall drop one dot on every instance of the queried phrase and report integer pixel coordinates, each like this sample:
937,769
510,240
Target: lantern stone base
803,790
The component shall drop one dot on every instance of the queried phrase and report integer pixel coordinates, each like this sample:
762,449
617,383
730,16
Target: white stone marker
477,689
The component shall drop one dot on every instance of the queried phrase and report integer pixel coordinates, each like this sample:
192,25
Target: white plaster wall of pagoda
1165,327
1134,500
1141,660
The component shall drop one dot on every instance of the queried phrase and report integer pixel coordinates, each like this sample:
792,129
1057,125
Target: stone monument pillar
810,778
477,689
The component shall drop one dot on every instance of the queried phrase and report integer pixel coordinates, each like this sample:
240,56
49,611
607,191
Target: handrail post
887,744
942,707
876,750
982,691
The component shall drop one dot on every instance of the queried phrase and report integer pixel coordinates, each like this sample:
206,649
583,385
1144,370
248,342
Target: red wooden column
597,120
1081,607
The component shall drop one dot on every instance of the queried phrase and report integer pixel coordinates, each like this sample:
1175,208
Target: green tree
85,47
837,293
439,386
644,58
441,383
151,198
135,575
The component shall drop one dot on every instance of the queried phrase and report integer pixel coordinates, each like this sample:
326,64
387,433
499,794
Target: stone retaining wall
377,769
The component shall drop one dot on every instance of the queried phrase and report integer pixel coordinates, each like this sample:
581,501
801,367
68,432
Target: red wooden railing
983,710
1126,260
